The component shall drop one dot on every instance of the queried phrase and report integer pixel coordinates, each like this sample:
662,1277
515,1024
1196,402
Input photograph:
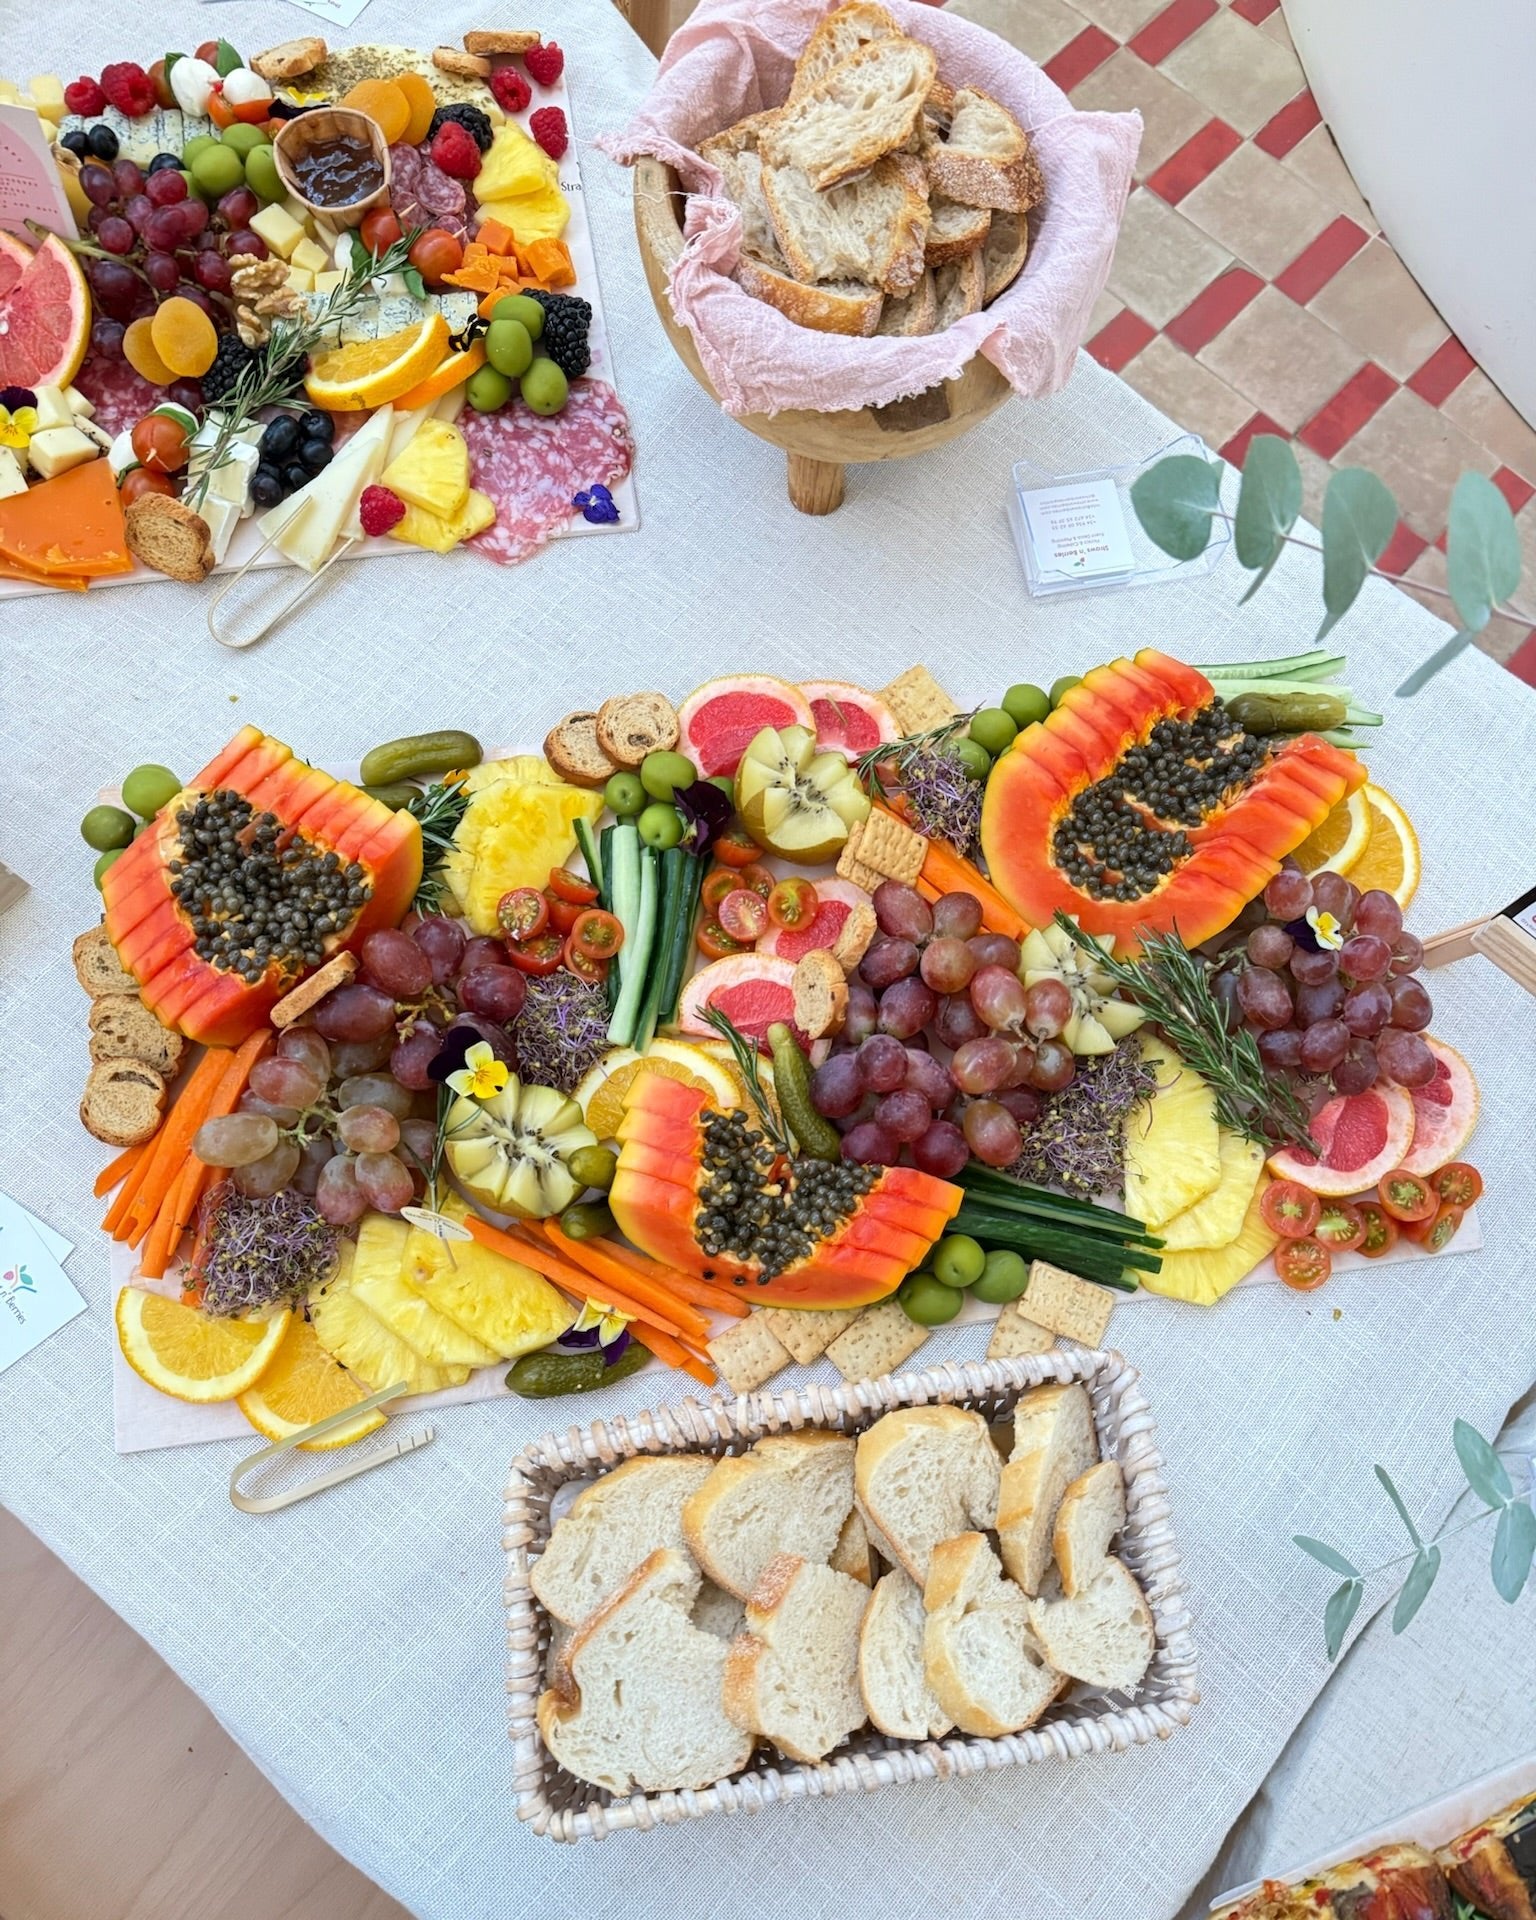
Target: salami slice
423,195
120,396
530,464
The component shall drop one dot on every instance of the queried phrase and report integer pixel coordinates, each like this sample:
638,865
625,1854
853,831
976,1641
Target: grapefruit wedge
721,719
14,259
1444,1111
848,720
1361,1136
45,317
751,989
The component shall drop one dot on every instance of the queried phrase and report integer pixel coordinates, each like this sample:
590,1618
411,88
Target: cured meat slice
423,195
531,465
120,396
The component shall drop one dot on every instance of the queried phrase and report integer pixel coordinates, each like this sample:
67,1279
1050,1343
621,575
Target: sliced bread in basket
1054,1443
916,313
792,1493
922,1475
793,1676
982,1661
612,1526
1003,256
983,158
862,108
1103,1635
1091,1513
843,33
891,1671
874,229
954,230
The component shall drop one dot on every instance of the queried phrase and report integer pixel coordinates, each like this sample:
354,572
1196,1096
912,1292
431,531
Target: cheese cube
311,258
300,281
53,410
327,283
79,406
451,405
296,210
47,91
279,229
57,449
12,479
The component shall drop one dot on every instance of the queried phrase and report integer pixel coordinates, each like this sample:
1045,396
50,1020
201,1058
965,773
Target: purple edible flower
597,505
706,812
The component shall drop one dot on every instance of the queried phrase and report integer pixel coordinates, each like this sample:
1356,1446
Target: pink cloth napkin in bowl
736,57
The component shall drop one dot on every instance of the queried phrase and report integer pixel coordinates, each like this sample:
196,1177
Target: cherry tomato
1290,1209
758,878
522,914
1302,1264
1441,1230
717,884
157,79
744,915
542,954
435,253
160,443
1405,1196
597,935
209,52
1380,1229
793,903
1340,1226
141,481
563,914
1458,1183
736,847
582,964
220,112
254,113
570,886
714,942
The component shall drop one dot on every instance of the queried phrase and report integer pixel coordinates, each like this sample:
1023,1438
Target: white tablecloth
354,1645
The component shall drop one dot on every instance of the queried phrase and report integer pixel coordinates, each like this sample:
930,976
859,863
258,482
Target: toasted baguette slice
123,1102
955,230
1003,256
612,1526
791,1493
635,1701
123,1028
1104,1635
915,313
97,966
983,1663
1054,1443
631,725
923,1474
984,159
840,306
866,106
820,990
891,1672
168,536
873,229
572,750
1091,1513
842,34
793,1676
958,289
290,60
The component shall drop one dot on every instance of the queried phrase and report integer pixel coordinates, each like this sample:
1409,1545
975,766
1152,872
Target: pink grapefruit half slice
720,720
1361,1137
752,990
14,259
1444,1111
835,899
45,319
849,720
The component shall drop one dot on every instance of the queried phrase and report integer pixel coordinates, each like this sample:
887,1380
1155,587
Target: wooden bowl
819,445
331,123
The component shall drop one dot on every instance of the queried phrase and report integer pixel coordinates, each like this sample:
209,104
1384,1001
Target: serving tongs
226,639
349,1470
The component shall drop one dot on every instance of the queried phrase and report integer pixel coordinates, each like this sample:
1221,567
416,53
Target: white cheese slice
78,404
452,403
57,449
404,431
12,479
53,409
221,517
306,526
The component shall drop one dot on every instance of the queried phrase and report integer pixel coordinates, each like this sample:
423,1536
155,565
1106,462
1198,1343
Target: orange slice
192,1355
373,373
601,1094
304,1384
447,375
1391,857
1339,839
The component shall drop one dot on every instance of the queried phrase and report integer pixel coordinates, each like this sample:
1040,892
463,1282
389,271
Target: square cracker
918,701
748,1353
895,850
850,867
807,1335
1063,1303
879,1340
1015,1335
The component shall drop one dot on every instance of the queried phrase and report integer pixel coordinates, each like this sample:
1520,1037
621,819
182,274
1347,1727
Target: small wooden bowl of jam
336,161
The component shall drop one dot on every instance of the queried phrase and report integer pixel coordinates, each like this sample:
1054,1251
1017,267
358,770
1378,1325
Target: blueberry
318,426
280,438
315,455
102,142
295,476
266,486
76,142
163,160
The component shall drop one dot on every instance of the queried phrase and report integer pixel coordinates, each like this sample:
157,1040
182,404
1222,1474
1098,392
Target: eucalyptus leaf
1343,1605
1397,1500
1267,505
1482,550
1320,1550
1415,1590
1427,669
1359,519
1484,1469
1174,502
1514,1543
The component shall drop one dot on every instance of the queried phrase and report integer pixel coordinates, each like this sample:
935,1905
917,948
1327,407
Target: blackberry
229,362
471,119
566,323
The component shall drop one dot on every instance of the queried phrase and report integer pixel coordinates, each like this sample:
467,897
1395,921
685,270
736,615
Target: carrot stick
569,1279
699,1293
672,1352
128,1192
117,1170
946,872
164,1234
171,1143
211,1100
587,1254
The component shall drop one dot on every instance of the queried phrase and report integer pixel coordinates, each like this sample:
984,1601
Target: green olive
588,1222
508,348
1004,1278
522,308
726,784
660,826
958,1260
594,1167
107,828
488,390
1064,685
661,774
1025,704
974,758
994,729
625,795
928,1301
98,872
147,789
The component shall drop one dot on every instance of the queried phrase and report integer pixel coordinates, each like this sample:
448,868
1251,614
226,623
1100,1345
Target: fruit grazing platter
320,301
787,1022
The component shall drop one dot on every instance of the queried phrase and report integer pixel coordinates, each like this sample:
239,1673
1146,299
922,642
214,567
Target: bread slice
635,1702
290,59
123,1028
572,750
874,229
984,1665
791,1493
1091,1513
923,1474
958,287
488,44
612,1526
793,1676
718,1612
1003,256
853,1554
1054,1443
1103,1635
97,966
891,1672
631,725
984,158
955,230
123,1102
843,306
293,1006
864,107
842,34
820,992
168,536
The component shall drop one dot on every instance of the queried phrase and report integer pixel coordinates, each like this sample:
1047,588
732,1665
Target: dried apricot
421,100
183,336
139,352
384,103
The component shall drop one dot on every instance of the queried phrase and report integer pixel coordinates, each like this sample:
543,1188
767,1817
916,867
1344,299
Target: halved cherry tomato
542,954
717,884
1340,1227
582,964
736,847
1302,1264
380,230
1442,1228
566,885
1380,1229
142,480
563,914
220,112
160,443
1290,1209
436,253
254,113
744,915
757,877
1458,1183
1405,1196
793,903
164,98
522,914
597,935
714,942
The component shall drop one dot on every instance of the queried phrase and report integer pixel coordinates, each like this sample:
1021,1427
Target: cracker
508,43
807,1334
748,1353
464,66
850,867
895,850
1065,1304
850,946
918,701
1016,1335
336,972
878,1342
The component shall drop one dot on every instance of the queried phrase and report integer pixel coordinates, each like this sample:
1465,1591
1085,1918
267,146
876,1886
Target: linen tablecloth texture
354,1644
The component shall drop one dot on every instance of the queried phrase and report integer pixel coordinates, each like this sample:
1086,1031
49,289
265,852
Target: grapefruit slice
836,899
14,258
848,720
45,318
1444,1112
721,719
1362,1136
750,989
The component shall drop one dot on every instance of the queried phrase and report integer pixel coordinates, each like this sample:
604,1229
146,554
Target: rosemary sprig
438,809
902,751
744,1052
1173,986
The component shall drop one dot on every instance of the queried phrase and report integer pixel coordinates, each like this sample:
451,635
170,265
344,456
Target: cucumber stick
674,879
639,939
589,852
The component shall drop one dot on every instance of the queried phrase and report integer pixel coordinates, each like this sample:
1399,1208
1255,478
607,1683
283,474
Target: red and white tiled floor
1252,291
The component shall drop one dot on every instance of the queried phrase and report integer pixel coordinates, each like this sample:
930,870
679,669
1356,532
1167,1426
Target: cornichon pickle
420,756
544,1376
397,794
1295,712
792,1084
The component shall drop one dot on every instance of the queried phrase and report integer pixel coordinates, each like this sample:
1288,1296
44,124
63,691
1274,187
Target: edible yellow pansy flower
1327,929
17,426
609,1324
482,1075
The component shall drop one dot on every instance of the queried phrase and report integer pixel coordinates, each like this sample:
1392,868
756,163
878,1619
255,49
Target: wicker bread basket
558,1805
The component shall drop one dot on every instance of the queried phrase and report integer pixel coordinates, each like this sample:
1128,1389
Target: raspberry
546,63
548,127
84,97
379,510
512,91
454,150
128,88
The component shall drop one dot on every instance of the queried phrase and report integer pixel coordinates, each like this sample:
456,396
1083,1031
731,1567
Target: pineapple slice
433,470
519,823
1172,1147
378,1281
365,1346
1217,1220
1202,1276
441,535
502,1303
